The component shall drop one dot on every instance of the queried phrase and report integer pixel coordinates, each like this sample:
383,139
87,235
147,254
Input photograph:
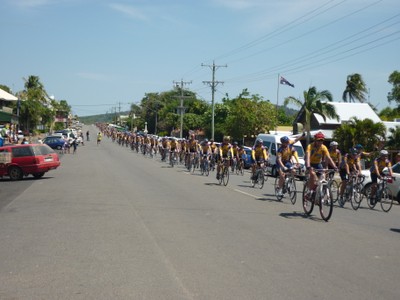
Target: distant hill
103,118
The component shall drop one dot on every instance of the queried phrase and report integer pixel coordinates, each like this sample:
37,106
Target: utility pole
213,84
181,108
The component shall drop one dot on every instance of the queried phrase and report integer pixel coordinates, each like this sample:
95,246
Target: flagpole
277,103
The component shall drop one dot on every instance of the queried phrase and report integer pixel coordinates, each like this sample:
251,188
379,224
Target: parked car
247,158
273,142
21,160
54,142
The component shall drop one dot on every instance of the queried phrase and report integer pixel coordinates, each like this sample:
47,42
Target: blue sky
96,54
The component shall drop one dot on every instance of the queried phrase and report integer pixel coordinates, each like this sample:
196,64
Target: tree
34,98
355,89
314,103
389,114
394,95
365,132
393,141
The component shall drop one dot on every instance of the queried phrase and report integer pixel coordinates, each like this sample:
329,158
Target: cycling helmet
259,141
333,143
359,146
284,139
205,141
383,152
235,143
353,151
319,136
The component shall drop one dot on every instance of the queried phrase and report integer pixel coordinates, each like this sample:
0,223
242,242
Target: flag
284,81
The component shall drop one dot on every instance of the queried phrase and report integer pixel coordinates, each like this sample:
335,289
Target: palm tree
355,89
314,103
393,141
365,132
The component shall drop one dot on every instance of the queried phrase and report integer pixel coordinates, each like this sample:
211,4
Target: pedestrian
74,145
87,135
82,139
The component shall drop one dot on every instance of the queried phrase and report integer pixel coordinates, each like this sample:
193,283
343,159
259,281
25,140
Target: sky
101,56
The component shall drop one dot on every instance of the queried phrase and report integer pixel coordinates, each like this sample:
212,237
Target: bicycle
224,172
172,158
382,195
240,167
321,196
205,166
258,177
289,186
352,192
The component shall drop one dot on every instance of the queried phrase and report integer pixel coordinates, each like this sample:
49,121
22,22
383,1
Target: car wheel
38,175
15,173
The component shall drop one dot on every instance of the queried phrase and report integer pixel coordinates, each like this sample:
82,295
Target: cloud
31,3
129,10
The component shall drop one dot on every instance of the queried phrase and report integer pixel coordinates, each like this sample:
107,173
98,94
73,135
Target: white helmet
383,152
333,143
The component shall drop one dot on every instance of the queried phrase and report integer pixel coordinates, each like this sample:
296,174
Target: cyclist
317,153
225,153
258,153
335,154
99,137
361,152
380,163
193,147
235,157
205,150
173,147
350,163
284,160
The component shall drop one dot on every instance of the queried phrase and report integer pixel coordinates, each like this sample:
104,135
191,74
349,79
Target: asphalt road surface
112,224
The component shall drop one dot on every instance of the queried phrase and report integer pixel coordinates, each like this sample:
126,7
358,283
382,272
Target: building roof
348,110
7,96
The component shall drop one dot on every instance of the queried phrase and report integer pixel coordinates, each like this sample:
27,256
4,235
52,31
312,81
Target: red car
17,161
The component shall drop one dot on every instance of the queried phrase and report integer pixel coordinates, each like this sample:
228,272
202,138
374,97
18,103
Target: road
112,224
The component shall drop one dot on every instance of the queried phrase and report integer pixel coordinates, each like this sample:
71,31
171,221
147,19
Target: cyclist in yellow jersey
225,153
284,160
235,155
335,153
316,153
380,163
205,150
350,163
258,154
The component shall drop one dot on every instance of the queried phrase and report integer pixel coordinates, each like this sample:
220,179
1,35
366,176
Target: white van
273,142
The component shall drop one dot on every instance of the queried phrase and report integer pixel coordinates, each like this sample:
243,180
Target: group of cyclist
318,156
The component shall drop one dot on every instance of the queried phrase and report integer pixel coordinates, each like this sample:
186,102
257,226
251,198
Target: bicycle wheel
292,191
367,192
326,203
356,198
207,168
276,189
241,169
260,179
308,202
202,169
334,186
226,176
386,200
193,166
